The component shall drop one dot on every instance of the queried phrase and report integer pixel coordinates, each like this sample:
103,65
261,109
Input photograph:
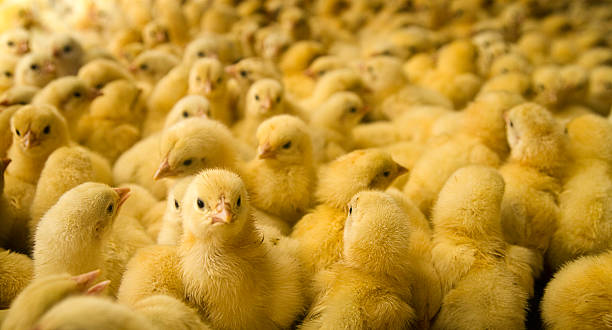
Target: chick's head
600,83
324,64
155,33
7,71
175,197
39,129
207,78
590,136
368,169
284,138
548,85
15,42
188,107
36,69
152,65
376,232
265,99
66,48
535,138
92,206
341,112
216,206
194,144
69,94
100,72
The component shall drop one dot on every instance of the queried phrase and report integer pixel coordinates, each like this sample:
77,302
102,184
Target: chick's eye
10,44
200,203
34,66
350,210
353,110
287,145
238,202
18,133
144,67
257,97
201,54
219,80
67,49
185,114
511,124
187,162
386,173
176,204
99,86
110,208
243,73
8,74
278,99
76,94
47,129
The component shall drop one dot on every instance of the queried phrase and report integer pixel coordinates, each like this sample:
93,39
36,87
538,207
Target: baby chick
584,213
530,205
70,95
320,231
36,69
600,89
579,295
229,274
7,71
99,72
471,256
16,271
152,65
284,163
68,54
43,293
332,82
15,42
83,217
194,144
208,79
264,99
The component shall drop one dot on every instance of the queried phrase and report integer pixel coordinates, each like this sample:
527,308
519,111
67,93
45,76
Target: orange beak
4,163
202,112
132,68
207,88
23,48
56,52
49,67
30,140
93,93
123,193
223,214
310,73
266,103
163,170
365,109
265,151
231,70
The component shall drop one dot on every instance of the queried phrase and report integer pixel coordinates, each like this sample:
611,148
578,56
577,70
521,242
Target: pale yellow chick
36,69
15,42
7,72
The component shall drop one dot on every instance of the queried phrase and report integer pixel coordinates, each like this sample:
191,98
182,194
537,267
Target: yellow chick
600,89
138,163
548,86
98,73
70,95
152,65
471,255
172,226
382,76
264,99
195,144
584,212
167,312
7,72
372,273
15,42
228,274
530,206
284,164
42,294
18,14
332,82
320,231
579,295
68,54
207,78
17,270
83,216
36,69
66,168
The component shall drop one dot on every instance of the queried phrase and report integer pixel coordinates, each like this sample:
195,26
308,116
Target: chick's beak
49,67
401,170
23,48
266,103
231,70
265,151
223,215
309,73
56,52
30,140
202,112
93,93
123,193
163,170
207,88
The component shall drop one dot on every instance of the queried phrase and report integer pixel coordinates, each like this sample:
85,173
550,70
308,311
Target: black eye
350,210
353,110
243,73
187,162
67,49
47,129
185,114
200,203
198,78
287,145
34,66
18,133
76,94
201,54
99,86
110,208
10,44
219,80
238,202
176,204
386,173
278,99
8,74
257,97
144,67
511,124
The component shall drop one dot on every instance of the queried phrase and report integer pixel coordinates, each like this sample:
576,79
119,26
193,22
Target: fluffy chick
584,215
471,256
68,53
7,71
15,42
600,89
207,78
42,294
579,295
530,205
17,270
229,274
99,72
320,231
83,217
284,163
35,69
70,95
152,65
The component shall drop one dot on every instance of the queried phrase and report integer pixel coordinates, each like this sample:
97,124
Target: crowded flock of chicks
367,164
